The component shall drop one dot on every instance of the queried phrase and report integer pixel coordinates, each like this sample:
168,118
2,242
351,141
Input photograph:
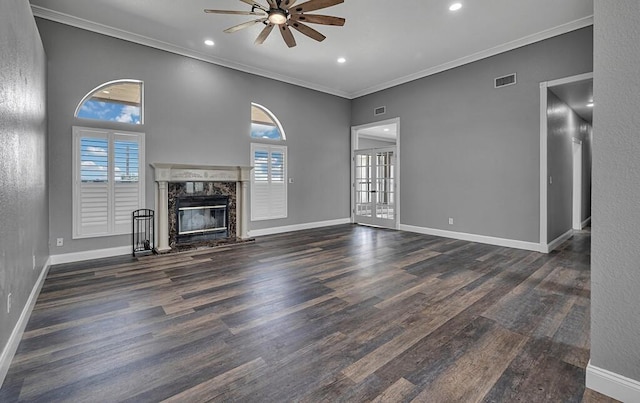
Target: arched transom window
264,124
114,101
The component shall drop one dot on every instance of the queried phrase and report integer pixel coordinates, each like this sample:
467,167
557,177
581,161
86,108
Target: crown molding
81,23
87,25
518,43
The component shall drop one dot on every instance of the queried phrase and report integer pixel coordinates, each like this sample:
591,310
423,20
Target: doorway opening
566,116
375,174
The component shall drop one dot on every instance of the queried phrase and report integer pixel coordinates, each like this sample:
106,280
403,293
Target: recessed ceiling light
209,42
590,105
105,91
455,7
386,130
342,60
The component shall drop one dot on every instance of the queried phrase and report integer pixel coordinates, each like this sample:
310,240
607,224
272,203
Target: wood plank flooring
345,313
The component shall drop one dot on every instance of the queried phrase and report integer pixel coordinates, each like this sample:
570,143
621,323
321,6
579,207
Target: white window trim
110,133
283,136
269,148
108,84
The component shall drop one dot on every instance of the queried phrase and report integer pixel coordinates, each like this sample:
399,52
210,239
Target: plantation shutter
268,184
108,182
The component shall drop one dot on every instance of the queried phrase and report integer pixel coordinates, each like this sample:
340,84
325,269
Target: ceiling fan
285,15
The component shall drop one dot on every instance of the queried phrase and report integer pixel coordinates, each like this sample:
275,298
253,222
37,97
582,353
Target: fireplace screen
201,219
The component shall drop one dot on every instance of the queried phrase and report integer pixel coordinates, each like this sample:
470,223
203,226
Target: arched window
269,175
114,101
264,124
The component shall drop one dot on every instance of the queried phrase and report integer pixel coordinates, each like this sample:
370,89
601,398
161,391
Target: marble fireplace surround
167,172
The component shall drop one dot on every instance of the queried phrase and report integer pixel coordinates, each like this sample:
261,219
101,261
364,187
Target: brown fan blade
254,4
287,35
263,35
318,19
244,25
307,30
233,12
272,3
315,5
286,4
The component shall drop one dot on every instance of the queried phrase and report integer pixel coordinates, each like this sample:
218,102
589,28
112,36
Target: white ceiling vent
381,110
505,80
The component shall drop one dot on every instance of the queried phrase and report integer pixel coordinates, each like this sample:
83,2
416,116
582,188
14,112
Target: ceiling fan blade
272,3
254,4
286,4
263,35
318,19
287,35
233,12
307,30
315,5
244,25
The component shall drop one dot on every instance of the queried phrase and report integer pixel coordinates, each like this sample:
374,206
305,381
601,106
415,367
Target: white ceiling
385,42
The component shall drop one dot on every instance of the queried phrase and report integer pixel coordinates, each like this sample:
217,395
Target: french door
374,187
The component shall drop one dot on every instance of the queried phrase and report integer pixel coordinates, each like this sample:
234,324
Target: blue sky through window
110,111
260,131
95,160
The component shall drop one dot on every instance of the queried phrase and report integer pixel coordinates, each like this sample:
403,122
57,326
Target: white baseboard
586,222
557,242
16,335
613,385
509,243
298,227
90,254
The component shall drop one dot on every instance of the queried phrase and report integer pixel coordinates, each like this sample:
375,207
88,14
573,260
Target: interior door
374,187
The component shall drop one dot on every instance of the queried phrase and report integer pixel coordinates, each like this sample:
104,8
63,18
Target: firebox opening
202,218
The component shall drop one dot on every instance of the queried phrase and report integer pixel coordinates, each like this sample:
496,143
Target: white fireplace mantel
164,173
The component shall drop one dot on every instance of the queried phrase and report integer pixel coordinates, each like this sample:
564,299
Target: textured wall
196,113
615,253
24,218
470,151
563,125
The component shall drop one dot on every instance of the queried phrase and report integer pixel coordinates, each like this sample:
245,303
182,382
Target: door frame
576,210
545,247
354,146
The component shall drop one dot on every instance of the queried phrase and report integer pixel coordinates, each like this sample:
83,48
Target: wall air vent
505,80
381,110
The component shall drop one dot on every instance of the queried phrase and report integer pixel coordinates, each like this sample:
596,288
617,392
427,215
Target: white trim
108,84
67,19
543,165
298,227
569,80
90,254
611,384
527,40
557,242
509,243
16,335
586,222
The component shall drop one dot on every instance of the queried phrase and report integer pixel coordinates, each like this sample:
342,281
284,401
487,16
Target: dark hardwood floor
345,313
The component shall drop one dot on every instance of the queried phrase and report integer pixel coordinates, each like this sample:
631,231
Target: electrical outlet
59,241
550,180
9,303
290,180
450,221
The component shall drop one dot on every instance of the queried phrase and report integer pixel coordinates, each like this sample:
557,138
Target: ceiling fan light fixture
277,17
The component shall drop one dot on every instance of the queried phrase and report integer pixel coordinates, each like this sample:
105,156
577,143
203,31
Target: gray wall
615,253
563,125
195,113
470,151
24,221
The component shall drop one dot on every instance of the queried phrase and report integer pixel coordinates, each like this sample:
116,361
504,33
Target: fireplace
199,204
201,218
